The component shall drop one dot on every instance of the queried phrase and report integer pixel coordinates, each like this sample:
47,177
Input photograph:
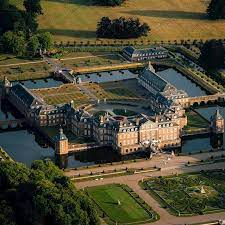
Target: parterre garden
118,204
67,92
190,194
95,60
25,72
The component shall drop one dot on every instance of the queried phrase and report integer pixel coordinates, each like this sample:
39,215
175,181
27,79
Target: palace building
124,134
138,55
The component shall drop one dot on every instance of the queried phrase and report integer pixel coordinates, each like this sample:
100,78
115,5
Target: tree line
212,55
18,28
41,195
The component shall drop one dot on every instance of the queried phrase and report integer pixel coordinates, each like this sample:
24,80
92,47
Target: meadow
75,20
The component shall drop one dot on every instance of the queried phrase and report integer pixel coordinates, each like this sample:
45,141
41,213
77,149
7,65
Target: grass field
195,121
183,194
169,19
128,211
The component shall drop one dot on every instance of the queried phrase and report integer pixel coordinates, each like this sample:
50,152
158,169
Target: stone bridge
6,124
202,100
208,99
73,147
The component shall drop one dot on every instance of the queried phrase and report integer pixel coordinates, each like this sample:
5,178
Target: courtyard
86,93
118,204
189,194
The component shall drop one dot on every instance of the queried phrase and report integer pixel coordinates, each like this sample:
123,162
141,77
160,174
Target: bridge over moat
14,123
202,100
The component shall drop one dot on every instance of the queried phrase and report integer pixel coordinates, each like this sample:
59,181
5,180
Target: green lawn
76,20
182,194
195,121
128,211
124,112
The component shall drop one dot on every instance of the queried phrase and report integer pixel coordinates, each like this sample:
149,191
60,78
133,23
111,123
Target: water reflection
95,156
7,111
206,143
23,147
41,83
182,82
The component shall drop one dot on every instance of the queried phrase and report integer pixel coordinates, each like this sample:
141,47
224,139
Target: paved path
159,161
24,63
165,217
63,59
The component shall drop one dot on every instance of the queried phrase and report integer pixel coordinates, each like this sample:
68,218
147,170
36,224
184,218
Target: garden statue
119,203
202,190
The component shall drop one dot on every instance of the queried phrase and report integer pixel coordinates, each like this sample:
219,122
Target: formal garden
189,194
35,70
118,204
124,112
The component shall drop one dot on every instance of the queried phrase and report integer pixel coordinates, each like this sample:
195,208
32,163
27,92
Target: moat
25,145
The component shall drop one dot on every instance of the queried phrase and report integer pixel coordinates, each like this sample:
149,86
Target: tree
45,40
8,17
42,196
108,2
212,54
11,174
216,9
121,28
4,4
33,7
33,45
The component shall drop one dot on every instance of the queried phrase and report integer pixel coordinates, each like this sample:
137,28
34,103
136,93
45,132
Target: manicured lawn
183,194
169,19
128,211
124,112
195,121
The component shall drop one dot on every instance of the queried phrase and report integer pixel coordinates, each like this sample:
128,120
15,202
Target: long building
138,55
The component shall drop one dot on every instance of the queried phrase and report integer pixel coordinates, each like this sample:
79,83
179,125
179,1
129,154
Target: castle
124,134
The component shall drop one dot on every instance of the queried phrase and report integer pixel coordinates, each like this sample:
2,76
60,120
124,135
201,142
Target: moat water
25,146
40,83
181,82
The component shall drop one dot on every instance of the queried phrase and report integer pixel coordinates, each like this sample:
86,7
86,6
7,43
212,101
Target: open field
120,204
169,19
190,194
